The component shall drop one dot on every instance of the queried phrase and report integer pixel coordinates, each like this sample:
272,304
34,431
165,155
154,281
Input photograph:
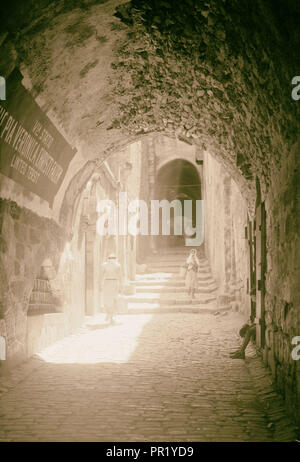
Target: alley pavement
164,377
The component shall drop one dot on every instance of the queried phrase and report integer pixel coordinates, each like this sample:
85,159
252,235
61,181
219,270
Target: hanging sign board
32,151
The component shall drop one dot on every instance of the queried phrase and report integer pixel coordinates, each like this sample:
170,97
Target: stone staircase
162,289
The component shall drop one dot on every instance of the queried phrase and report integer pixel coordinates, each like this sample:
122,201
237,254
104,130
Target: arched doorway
177,180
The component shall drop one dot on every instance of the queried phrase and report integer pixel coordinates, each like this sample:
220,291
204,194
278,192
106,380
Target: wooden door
260,234
252,267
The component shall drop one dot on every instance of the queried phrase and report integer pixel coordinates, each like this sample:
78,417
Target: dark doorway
177,180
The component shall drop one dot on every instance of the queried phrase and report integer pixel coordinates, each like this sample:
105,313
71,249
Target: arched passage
178,180
204,75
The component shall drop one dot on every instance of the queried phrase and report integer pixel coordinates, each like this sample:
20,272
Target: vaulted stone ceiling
216,74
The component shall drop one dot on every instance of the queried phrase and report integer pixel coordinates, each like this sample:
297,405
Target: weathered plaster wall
71,274
214,206
168,149
239,251
142,243
225,244
26,240
133,183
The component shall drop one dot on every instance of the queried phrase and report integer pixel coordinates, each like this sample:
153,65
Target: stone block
3,283
17,268
129,289
20,251
28,271
14,210
21,232
1,220
34,236
271,362
28,218
8,58
3,245
265,355
2,309
18,288
2,328
224,299
235,306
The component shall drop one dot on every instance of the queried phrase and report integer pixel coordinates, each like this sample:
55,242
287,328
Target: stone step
169,289
177,250
172,259
175,277
145,308
166,282
173,271
161,289
168,300
173,264
177,262
175,256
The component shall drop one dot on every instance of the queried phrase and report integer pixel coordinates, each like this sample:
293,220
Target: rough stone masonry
215,74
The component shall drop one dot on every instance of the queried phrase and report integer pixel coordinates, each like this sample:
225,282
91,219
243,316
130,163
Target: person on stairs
192,266
112,281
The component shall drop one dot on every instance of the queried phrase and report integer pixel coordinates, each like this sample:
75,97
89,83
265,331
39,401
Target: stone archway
109,72
177,180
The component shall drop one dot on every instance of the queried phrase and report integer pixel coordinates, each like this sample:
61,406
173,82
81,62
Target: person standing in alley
111,286
192,266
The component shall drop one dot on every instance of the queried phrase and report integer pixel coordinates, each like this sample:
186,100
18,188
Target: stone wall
282,278
168,149
239,282
217,74
25,241
225,243
135,183
143,247
212,77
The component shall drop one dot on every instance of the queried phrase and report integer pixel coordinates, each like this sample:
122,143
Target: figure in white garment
111,286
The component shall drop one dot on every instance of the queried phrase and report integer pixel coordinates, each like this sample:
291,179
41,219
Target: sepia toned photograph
150,224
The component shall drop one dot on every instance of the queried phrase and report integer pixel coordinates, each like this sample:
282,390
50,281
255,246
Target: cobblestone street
148,378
